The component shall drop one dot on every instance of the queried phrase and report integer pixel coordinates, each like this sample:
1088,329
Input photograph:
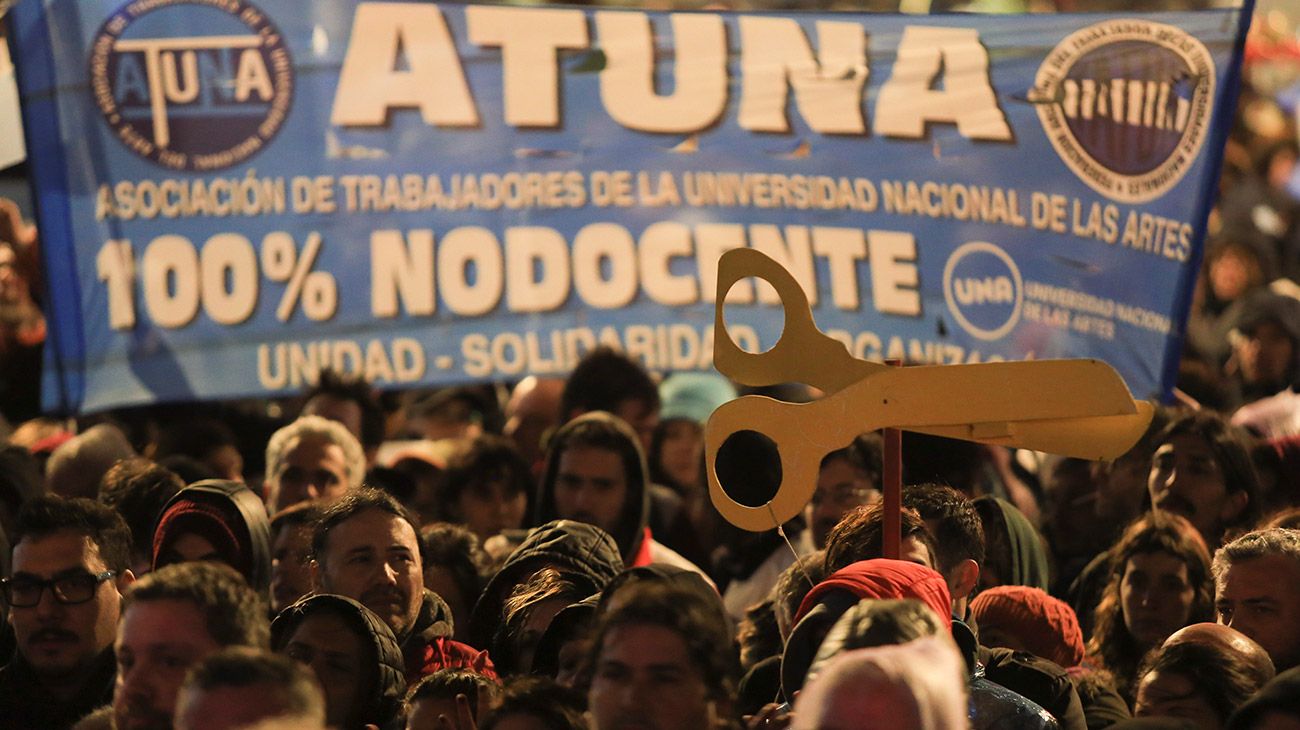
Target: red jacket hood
881,578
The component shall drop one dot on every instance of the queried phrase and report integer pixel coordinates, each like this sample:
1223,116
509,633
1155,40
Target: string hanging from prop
780,530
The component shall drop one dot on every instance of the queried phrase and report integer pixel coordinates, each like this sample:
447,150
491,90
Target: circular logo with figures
1127,105
191,84
983,289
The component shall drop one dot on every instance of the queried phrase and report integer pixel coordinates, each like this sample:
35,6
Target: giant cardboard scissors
1079,408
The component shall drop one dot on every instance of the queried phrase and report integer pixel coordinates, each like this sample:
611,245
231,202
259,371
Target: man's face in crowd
1120,489
1265,355
840,487
290,570
645,679
681,451
1260,597
337,656
1186,480
156,642
56,638
374,557
311,468
530,412
491,506
642,417
1170,694
1155,596
590,486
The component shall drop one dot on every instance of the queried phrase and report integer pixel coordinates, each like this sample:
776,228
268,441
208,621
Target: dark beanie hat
208,522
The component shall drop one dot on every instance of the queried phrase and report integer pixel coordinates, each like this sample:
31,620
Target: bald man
533,409
1227,639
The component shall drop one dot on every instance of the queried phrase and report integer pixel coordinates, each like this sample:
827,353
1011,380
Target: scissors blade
1006,391
1092,438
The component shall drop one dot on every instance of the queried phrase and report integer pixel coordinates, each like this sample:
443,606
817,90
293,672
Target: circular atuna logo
983,289
192,84
1127,104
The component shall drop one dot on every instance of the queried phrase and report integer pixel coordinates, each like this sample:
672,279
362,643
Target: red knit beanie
208,522
1046,626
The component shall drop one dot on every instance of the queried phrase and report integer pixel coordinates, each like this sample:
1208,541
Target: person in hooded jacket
596,473
221,520
354,655
583,553
1265,346
1013,550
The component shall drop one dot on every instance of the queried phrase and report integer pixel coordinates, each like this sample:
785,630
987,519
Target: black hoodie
602,430
584,553
245,516
384,689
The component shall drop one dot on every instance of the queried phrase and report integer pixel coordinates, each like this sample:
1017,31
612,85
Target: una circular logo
1127,103
983,289
192,84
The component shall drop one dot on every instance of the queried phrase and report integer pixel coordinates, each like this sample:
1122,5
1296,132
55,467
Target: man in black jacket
70,565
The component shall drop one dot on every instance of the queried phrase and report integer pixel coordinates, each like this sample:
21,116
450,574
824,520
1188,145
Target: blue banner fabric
234,195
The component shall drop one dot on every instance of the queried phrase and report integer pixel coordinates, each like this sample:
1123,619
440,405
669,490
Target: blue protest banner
233,194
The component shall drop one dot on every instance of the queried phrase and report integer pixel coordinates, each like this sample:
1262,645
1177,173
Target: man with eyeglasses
848,478
70,561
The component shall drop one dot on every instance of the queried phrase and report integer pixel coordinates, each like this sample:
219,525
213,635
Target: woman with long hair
1160,582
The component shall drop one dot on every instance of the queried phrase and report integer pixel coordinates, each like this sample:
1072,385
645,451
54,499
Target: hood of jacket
610,432
883,578
586,554
382,697
434,621
197,506
829,600
1016,551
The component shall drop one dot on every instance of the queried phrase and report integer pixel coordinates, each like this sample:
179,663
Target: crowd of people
557,563
545,555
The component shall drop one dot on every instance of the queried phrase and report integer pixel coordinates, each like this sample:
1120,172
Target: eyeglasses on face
70,589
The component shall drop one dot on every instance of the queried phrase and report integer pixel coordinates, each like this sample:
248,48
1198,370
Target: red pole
893,484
